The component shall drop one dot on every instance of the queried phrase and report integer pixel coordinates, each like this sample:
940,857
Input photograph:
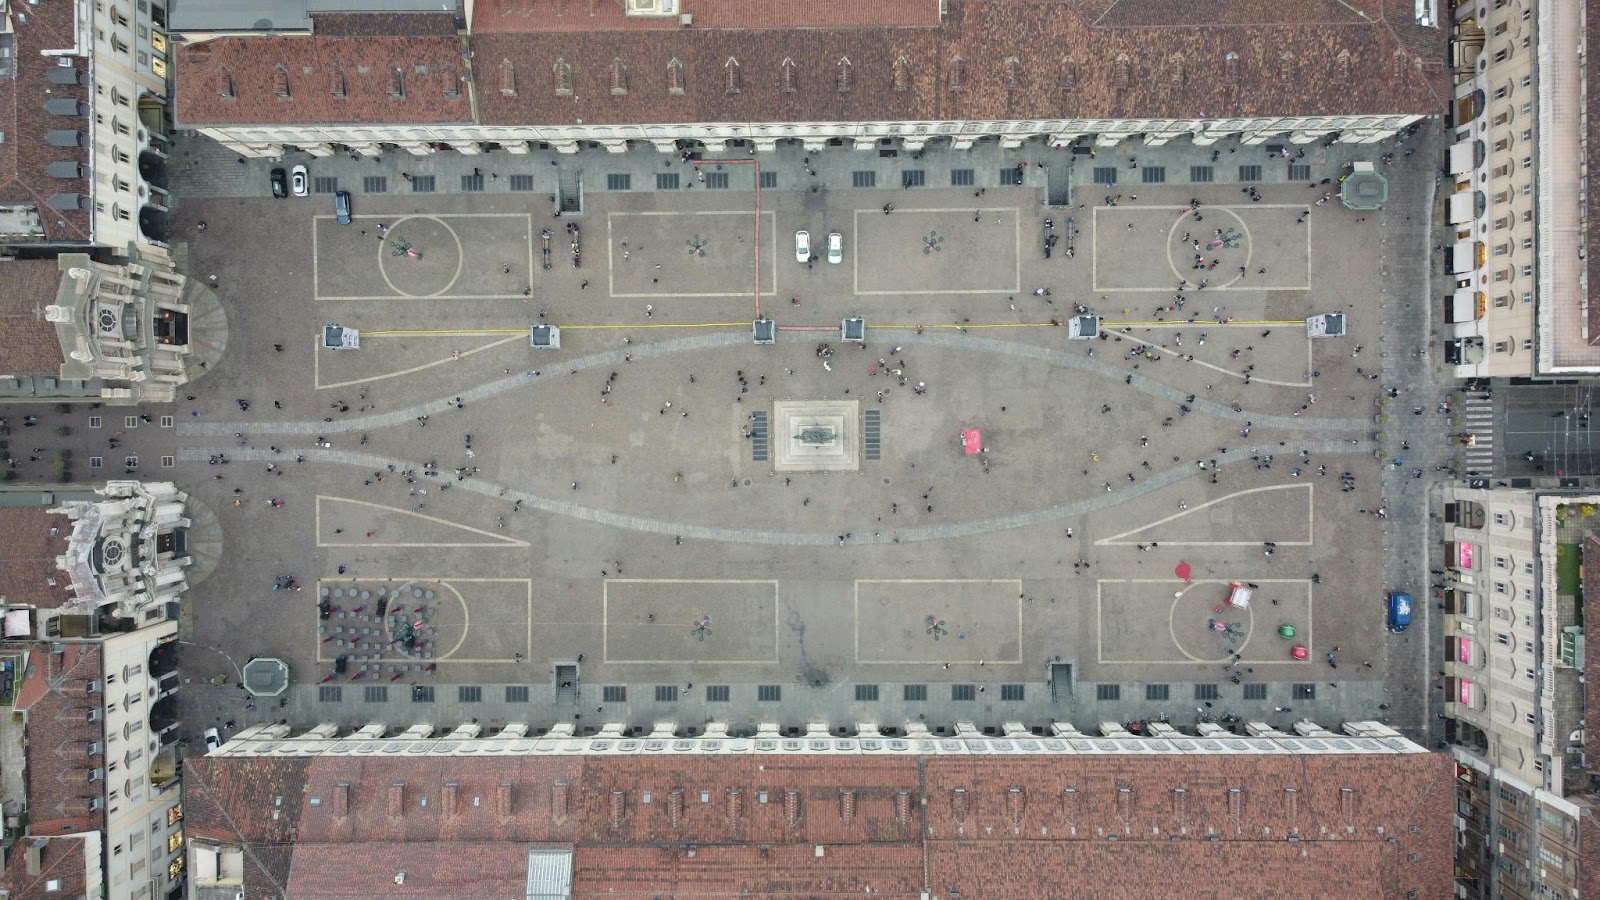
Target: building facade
1515,699
122,332
87,159
88,667
1518,304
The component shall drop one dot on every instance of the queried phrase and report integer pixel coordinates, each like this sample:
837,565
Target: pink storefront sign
1466,692
1464,552
1464,650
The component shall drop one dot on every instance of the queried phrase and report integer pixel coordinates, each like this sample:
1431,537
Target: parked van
1399,611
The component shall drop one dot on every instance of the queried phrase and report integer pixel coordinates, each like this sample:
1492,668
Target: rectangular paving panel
458,256
648,620
936,251
1165,620
693,253
1149,248
914,620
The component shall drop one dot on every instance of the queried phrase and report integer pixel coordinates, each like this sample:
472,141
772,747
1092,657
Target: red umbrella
972,441
1182,571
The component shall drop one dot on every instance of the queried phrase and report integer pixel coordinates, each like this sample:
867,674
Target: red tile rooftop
987,60
1341,825
28,553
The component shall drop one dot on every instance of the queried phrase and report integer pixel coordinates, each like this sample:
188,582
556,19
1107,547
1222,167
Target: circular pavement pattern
1190,629
435,270
1205,231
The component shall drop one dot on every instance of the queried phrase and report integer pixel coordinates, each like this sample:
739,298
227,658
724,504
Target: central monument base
816,435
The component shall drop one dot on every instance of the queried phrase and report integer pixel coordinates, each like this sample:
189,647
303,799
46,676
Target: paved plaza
708,529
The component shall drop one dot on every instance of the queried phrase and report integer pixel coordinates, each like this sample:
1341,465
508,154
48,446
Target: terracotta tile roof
229,804
432,870
318,79
1153,61
1106,870
781,870
28,554
62,869
25,154
1066,66
1252,805
995,826
490,16
59,731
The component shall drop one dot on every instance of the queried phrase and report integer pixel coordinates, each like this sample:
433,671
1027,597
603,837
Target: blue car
1399,611
341,207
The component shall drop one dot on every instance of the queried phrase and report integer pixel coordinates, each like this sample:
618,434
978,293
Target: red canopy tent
972,441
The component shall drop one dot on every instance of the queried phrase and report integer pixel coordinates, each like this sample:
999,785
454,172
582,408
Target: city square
651,486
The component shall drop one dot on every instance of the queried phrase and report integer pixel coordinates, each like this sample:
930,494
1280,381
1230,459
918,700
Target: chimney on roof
791,807
341,799
1236,803
675,807
1291,802
787,67
735,805
844,74
447,799
1180,802
1347,803
397,799
958,804
1016,802
847,805
902,807
958,70
558,800
280,82
1124,802
508,78
618,808
336,81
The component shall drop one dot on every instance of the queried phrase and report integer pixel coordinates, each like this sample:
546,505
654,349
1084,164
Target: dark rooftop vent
69,201
63,106
63,137
64,169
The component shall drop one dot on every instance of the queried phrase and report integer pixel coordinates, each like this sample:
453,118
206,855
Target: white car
835,247
213,739
299,185
802,246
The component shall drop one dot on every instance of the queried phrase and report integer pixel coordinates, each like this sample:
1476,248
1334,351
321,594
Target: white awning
1464,306
1461,158
1461,259
1460,207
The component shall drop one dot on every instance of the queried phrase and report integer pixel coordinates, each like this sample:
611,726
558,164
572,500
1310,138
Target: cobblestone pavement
574,538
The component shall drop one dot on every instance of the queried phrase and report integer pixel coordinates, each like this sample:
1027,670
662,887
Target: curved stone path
1071,358
610,359
1059,512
